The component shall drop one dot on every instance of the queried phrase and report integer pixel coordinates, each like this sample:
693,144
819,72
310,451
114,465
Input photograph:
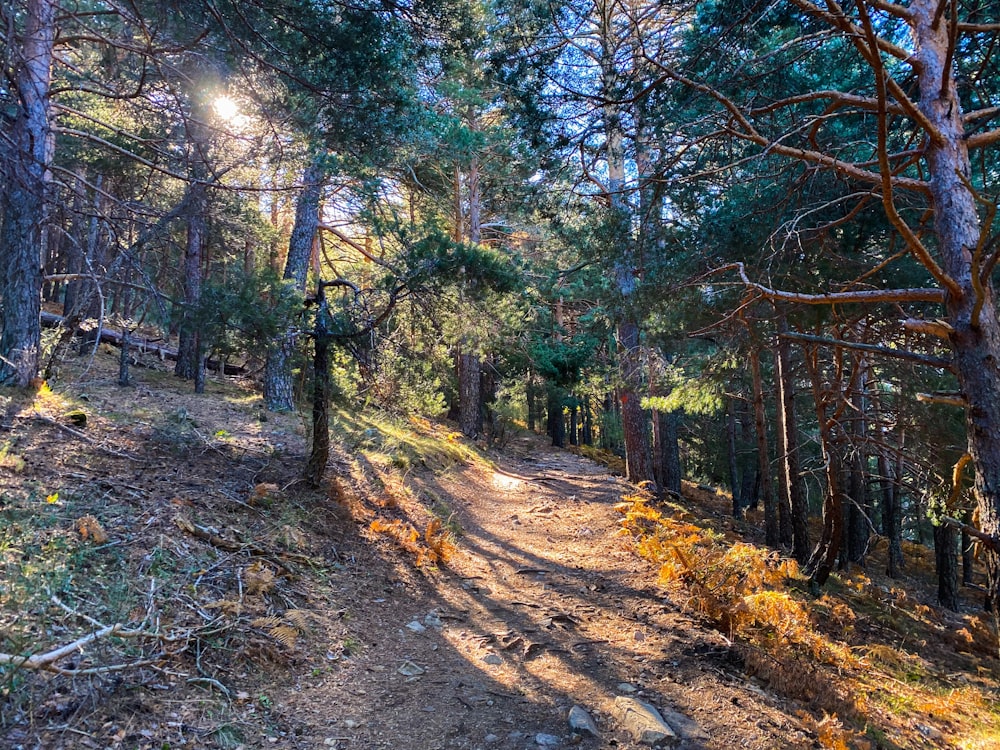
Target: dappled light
499,375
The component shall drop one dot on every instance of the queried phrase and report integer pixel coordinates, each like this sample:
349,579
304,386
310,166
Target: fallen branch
48,660
83,436
229,545
144,345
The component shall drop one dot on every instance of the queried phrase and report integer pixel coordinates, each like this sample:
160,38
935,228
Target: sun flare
226,108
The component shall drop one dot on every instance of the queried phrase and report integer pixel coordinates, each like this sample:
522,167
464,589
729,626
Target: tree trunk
487,402
793,497
189,344
856,517
669,451
891,510
319,454
824,556
531,397
734,466
470,415
968,553
635,425
556,424
278,386
749,471
972,313
771,527
858,508
74,251
607,419
946,566
123,359
25,157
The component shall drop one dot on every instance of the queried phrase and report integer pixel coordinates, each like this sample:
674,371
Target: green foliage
433,260
691,396
237,312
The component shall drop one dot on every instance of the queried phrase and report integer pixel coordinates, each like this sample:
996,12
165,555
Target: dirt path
541,609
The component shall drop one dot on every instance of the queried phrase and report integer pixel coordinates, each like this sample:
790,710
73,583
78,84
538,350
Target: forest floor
434,595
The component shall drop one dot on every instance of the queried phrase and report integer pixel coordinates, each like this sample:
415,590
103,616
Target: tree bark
635,424
26,156
972,312
668,449
189,348
792,492
968,553
470,415
946,566
858,508
531,397
747,458
556,423
891,505
734,466
771,526
824,556
319,454
74,251
278,386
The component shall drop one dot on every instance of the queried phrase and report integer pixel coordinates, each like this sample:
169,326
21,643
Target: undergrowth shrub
614,462
739,587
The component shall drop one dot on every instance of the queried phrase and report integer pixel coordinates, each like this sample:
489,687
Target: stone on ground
580,721
643,721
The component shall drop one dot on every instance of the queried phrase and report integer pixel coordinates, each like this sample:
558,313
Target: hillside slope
431,596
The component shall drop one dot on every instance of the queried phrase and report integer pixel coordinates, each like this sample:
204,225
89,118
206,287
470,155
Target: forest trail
541,608
309,628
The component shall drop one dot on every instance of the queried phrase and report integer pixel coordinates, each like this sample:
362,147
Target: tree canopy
748,242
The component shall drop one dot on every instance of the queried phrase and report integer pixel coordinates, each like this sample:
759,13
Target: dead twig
47,661
83,436
229,545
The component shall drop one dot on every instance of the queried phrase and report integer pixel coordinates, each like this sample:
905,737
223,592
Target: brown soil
541,608
302,620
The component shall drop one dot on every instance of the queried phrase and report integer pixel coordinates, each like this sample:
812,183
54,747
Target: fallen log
142,344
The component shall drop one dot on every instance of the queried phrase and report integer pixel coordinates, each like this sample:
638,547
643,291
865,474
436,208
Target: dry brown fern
259,578
89,528
285,629
432,547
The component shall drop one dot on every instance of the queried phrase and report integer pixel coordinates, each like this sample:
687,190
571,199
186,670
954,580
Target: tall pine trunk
470,414
635,425
824,556
858,508
946,566
771,527
556,423
733,460
26,154
792,492
278,387
319,453
971,306
189,349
